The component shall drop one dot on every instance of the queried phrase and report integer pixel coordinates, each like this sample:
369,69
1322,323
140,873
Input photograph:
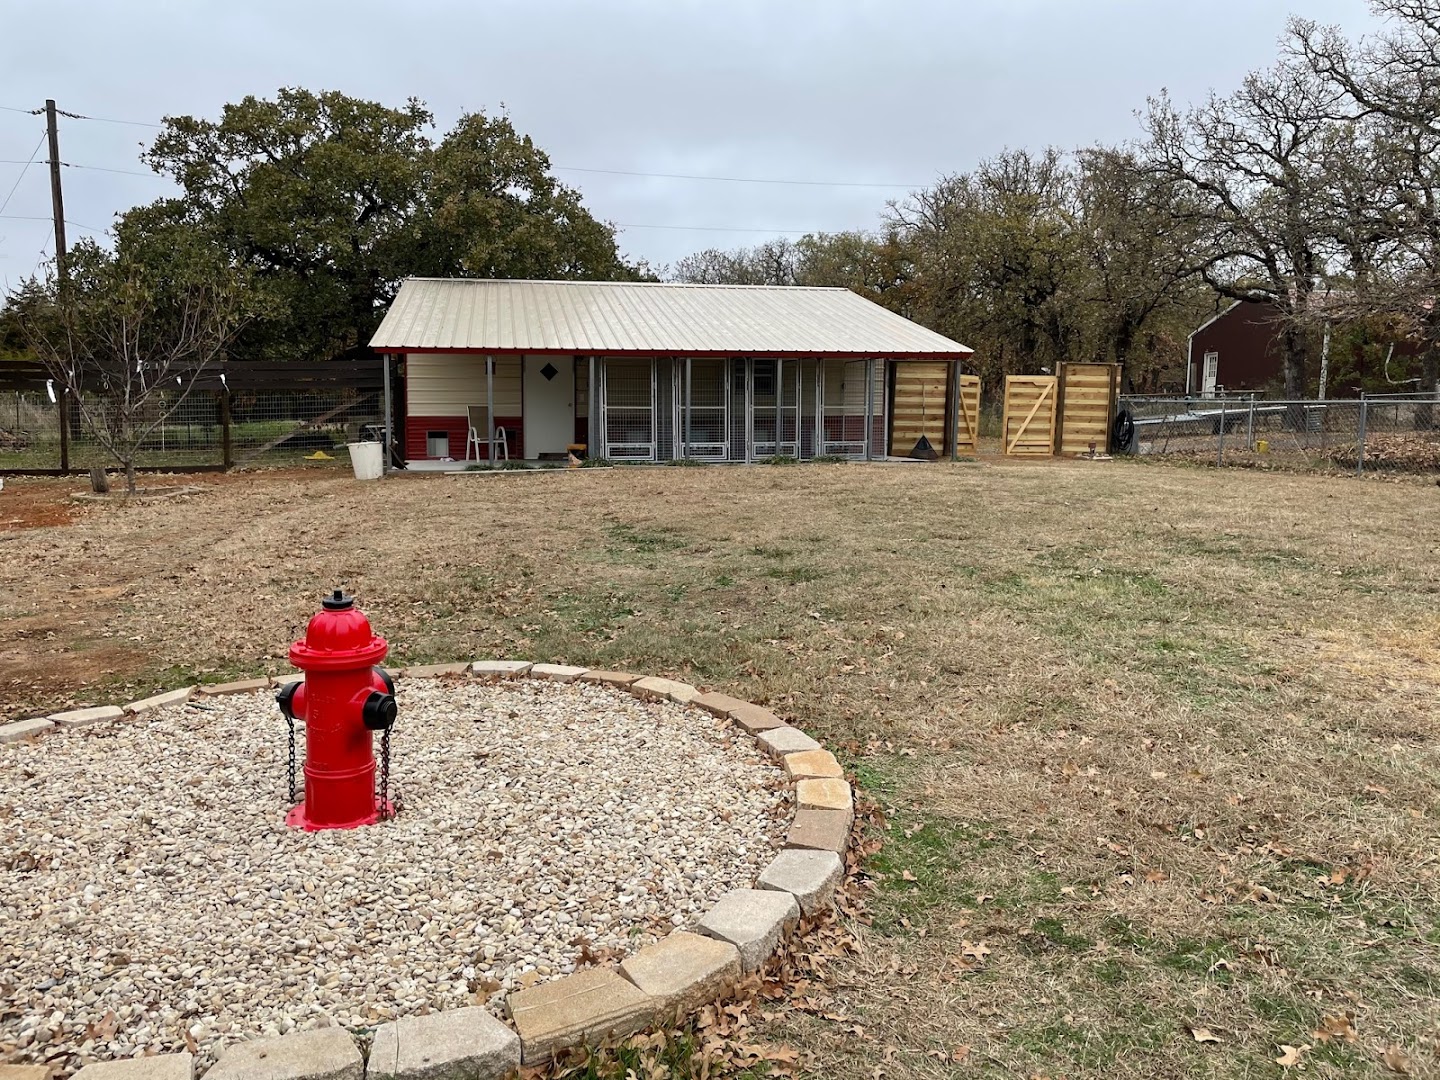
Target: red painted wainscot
419,428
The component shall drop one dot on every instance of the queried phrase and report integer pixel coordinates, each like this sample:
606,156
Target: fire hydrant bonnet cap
338,637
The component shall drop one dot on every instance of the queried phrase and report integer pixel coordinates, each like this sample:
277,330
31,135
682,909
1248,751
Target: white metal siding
442,384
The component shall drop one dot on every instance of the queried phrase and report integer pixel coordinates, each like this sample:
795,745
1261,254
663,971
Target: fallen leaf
960,1053
1290,1055
1203,1035
1396,1060
908,876
978,950
1335,1027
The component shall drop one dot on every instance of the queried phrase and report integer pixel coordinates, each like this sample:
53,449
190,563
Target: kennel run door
628,409
705,408
775,408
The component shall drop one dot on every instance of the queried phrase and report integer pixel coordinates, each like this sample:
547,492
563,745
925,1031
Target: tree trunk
1429,376
130,476
1297,354
99,482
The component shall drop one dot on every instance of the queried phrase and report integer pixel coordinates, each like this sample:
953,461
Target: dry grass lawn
1157,745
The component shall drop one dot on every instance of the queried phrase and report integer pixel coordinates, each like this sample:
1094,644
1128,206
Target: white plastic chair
479,433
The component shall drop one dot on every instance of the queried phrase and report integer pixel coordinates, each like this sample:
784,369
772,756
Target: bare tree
1391,93
127,340
1252,169
1138,245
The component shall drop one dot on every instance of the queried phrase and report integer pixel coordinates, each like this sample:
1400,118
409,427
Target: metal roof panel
602,317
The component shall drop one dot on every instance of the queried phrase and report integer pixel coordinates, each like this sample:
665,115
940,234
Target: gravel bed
152,897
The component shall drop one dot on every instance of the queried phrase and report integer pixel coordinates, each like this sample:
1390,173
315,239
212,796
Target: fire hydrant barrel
342,702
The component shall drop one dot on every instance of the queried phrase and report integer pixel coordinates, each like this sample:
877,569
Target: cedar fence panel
921,397
1088,393
967,421
1029,420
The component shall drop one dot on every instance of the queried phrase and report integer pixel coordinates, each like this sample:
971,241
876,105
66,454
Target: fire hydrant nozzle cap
338,601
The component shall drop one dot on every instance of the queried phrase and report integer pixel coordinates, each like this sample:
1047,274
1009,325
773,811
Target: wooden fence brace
954,434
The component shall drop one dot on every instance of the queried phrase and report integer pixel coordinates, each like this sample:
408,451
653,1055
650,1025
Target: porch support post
490,408
689,366
592,411
385,368
954,409
869,408
749,409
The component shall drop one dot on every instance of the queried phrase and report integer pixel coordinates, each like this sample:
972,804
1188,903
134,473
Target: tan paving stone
322,1054
620,679
78,718
652,688
823,795
556,672
170,697
25,729
683,971
820,830
434,671
813,765
755,718
238,686
584,1007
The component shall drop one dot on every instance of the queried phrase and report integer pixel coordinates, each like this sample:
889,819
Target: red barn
1240,350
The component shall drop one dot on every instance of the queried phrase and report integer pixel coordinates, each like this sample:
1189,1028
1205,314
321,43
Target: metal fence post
1220,450
1360,438
1250,427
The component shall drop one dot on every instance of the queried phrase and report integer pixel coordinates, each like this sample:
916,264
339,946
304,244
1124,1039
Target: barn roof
610,318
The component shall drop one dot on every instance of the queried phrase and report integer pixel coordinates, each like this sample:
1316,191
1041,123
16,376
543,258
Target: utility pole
57,199
62,273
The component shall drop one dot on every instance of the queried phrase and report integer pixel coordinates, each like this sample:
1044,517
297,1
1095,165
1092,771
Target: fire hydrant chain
291,773
385,809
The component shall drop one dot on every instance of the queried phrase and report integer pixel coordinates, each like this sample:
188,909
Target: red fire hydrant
343,701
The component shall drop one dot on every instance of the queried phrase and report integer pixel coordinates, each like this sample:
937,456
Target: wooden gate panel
967,421
1087,406
919,405
1029,425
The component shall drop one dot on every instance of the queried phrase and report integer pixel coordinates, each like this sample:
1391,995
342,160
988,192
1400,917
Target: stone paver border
687,969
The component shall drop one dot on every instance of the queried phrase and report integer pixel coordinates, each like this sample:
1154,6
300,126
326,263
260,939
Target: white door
1212,371
549,404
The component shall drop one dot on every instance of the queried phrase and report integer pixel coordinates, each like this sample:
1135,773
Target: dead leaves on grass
1339,1028
1396,1060
1290,1055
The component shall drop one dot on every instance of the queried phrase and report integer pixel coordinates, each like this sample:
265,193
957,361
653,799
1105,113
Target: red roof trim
708,355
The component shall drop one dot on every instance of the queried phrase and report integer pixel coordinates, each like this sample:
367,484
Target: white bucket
367,459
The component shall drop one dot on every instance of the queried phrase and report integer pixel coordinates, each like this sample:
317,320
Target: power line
734,179
90,168
82,116
30,161
33,217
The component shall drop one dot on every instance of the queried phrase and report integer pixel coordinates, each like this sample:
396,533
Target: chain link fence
1385,432
262,427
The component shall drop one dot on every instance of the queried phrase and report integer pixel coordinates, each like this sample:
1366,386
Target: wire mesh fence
1391,432
205,429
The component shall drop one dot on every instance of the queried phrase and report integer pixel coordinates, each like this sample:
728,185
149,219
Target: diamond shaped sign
549,371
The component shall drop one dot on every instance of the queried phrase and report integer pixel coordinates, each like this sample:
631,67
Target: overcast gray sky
852,91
